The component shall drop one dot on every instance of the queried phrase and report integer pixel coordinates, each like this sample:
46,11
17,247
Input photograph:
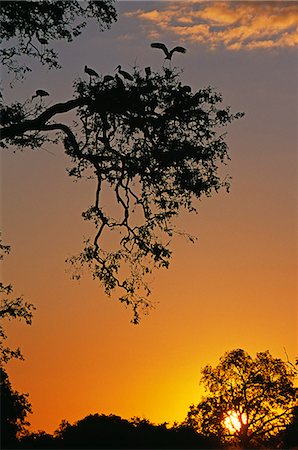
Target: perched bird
124,74
186,88
108,78
119,82
90,72
148,71
41,40
168,53
40,93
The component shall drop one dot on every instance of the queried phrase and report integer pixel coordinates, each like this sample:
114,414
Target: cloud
232,24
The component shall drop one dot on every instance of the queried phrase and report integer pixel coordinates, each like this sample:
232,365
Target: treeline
100,431
111,431
250,403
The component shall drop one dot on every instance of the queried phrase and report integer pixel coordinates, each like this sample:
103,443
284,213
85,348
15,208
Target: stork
90,72
147,72
41,40
40,93
119,82
168,53
108,78
124,74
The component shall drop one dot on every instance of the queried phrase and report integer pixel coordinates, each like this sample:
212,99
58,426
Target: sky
236,287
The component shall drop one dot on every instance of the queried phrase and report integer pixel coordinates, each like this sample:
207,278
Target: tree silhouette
290,435
29,28
14,409
155,145
11,308
111,431
148,140
14,406
248,402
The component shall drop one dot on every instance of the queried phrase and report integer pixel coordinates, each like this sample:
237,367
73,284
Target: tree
14,410
111,431
248,402
290,435
11,308
29,28
151,142
14,406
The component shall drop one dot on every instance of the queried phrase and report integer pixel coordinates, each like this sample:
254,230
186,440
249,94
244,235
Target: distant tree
37,440
111,431
146,138
31,28
14,410
248,402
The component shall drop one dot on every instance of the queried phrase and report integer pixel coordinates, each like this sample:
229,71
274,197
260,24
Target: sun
233,421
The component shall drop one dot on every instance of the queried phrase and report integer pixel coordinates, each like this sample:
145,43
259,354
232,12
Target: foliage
11,308
14,409
31,28
290,435
37,440
155,146
259,391
152,145
111,431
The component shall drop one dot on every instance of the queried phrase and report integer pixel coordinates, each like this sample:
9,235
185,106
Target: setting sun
234,421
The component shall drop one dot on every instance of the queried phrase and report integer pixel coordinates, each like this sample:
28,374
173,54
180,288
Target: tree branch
275,417
37,124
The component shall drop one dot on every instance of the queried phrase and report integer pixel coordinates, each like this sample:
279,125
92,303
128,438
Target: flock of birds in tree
127,76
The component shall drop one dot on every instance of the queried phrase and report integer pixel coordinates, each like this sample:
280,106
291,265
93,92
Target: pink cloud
235,25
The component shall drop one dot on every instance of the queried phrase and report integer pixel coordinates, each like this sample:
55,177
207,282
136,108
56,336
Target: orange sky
236,287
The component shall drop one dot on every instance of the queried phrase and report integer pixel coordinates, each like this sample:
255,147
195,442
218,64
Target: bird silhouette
90,72
168,53
41,40
40,93
186,89
124,74
108,78
148,72
119,82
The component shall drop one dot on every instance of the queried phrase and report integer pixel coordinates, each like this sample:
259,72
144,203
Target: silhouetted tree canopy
14,410
258,392
290,435
151,143
111,431
31,28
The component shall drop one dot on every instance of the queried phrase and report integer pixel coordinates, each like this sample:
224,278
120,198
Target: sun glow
234,421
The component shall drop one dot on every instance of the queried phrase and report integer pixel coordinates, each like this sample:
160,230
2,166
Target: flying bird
90,72
40,93
168,53
124,74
